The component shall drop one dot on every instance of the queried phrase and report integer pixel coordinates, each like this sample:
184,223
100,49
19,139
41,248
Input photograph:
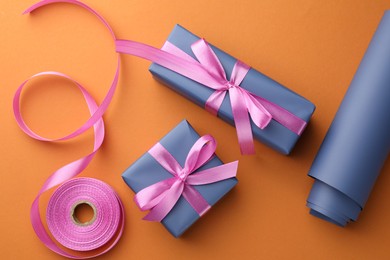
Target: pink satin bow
162,196
243,102
208,71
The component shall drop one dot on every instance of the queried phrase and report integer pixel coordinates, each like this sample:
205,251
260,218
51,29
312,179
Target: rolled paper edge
326,215
332,205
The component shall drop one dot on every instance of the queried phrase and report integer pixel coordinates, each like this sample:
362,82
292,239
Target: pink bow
208,71
162,196
243,102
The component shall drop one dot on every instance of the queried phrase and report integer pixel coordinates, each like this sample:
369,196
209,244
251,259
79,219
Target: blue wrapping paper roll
147,171
358,141
274,135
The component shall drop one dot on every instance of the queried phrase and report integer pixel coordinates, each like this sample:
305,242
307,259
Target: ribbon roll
104,228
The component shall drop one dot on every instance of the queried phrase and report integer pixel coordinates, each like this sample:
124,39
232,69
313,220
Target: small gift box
180,178
243,97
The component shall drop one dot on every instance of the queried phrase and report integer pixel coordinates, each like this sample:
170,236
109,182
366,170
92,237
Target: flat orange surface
312,47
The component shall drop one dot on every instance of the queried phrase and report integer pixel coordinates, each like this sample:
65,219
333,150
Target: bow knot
182,176
229,85
162,196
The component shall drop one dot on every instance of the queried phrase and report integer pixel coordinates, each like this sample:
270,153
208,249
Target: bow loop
166,203
209,60
239,72
154,194
200,153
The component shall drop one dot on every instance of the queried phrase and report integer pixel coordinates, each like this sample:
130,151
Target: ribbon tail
214,102
190,69
214,174
242,122
283,116
150,196
260,116
162,209
196,200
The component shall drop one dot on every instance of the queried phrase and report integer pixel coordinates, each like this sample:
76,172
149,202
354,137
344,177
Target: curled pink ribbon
162,196
208,71
72,169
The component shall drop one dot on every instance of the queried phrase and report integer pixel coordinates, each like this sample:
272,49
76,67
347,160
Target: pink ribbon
72,169
162,196
106,224
207,70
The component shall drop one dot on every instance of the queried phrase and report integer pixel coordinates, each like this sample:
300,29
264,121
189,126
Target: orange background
312,47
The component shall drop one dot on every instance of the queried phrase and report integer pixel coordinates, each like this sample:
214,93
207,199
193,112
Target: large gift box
147,171
285,104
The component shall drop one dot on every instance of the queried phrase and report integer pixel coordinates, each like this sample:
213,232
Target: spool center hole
83,214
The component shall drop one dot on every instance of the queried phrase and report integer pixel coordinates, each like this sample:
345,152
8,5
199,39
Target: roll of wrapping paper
358,141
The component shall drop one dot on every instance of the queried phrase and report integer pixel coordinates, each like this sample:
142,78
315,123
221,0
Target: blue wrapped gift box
147,171
274,135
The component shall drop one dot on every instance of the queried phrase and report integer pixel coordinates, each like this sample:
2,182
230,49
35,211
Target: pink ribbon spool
104,228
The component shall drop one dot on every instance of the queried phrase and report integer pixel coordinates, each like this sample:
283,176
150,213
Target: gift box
274,134
147,171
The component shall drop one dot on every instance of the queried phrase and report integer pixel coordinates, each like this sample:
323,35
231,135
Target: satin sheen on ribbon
208,71
72,169
162,196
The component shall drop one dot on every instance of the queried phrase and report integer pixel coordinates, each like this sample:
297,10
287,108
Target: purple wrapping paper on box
274,135
147,171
